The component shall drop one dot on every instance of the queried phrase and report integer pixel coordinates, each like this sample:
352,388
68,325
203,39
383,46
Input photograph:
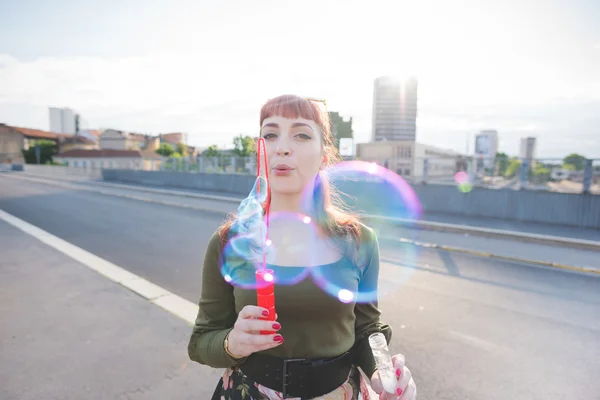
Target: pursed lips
283,167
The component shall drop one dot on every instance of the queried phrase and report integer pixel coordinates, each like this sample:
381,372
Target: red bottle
265,294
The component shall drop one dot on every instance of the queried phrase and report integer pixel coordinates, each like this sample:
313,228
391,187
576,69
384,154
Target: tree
212,151
243,146
513,168
340,128
48,149
576,160
182,149
166,150
502,162
540,169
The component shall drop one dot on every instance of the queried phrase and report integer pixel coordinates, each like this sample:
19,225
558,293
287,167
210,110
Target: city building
63,120
91,134
173,138
407,159
13,140
486,148
146,160
527,150
76,142
119,140
394,109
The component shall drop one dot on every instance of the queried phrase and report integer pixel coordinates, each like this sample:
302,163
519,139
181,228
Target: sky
523,68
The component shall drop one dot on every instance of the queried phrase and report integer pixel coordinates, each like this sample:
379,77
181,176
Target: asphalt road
470,327
474,221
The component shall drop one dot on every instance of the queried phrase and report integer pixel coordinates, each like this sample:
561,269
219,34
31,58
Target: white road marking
184,309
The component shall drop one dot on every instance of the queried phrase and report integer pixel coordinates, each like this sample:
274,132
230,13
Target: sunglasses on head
315,100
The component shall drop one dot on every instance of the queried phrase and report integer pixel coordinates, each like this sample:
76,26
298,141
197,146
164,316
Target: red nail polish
265,313
398,372
278,338
399,392
276,326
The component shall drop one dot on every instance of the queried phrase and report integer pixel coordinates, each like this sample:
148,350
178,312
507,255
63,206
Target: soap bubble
244,251
294,246
386,203
374,190
462,179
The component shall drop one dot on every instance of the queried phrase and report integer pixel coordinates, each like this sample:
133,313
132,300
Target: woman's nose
283,149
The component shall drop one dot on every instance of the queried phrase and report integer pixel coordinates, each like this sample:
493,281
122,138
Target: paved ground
69,333
509,248
471,328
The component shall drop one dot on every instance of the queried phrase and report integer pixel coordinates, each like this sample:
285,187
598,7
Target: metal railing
542,174
218,165
501,173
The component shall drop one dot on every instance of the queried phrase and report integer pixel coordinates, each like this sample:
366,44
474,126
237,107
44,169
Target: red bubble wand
265,291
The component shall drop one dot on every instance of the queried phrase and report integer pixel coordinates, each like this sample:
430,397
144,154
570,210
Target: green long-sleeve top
314,322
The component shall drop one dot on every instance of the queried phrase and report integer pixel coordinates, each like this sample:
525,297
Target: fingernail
399,391
266,313
278,338
276,326
398,372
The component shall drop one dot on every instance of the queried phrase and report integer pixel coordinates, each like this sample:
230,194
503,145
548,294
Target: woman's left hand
406,389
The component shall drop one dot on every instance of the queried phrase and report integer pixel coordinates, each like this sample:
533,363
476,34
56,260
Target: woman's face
295,152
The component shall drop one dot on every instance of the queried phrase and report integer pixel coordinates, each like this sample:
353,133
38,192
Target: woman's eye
268,136
303,136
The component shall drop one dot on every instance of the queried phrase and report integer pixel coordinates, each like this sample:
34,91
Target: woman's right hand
245,338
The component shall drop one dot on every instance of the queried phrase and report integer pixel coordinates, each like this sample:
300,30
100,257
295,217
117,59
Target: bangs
291,106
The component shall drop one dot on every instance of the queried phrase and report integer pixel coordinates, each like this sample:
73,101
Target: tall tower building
394,109
527,150
486,147
63,120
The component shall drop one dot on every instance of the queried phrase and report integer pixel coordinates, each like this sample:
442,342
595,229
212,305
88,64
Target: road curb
403,240
492,255
492,233
154,294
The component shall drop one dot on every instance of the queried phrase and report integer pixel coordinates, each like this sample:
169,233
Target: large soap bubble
386,203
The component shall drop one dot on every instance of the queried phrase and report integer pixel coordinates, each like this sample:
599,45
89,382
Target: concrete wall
534,206
231,183
56,170
11,145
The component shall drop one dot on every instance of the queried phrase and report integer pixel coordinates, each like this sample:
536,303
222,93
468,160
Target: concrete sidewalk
70,333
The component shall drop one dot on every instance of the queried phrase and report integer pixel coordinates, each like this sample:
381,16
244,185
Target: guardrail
518,205
59,170
553,175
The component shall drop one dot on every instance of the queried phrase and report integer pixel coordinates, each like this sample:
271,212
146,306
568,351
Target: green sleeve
216,313
368,314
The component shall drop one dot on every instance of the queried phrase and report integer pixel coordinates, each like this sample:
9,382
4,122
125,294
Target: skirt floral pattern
237,386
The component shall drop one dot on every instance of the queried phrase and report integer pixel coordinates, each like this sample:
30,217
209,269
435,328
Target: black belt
298,377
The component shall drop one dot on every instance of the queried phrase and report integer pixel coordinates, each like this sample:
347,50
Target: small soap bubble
345,296
462,179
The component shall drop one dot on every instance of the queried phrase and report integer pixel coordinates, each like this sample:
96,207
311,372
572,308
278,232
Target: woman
317,341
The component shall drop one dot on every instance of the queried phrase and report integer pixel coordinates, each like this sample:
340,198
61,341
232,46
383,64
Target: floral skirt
237,386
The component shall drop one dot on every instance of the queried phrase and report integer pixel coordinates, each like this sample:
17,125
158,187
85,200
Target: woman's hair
328,207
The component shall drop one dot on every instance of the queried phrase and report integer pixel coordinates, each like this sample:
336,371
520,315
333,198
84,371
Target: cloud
213,99
527,128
